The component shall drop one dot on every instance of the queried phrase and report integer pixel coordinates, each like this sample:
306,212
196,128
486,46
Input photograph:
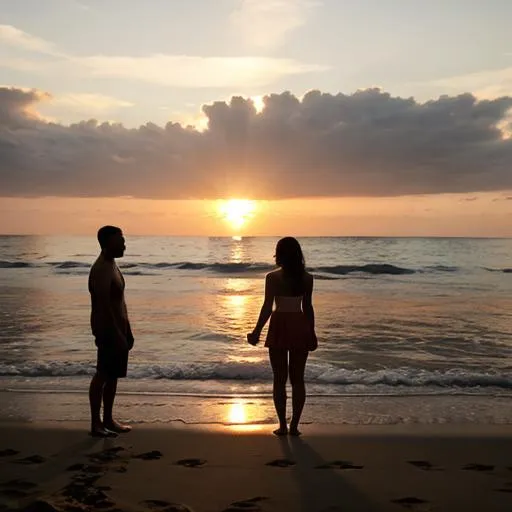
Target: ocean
409,329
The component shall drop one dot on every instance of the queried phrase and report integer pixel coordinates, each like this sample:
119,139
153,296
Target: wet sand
57,466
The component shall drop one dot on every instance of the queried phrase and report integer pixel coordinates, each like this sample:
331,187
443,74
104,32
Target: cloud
13,36
189,71
266,23
507,198
99,102
160,69
364,144
84,104
25,65
81,5
17,108
484,84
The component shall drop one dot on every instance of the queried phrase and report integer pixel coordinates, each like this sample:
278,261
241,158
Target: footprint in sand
153,455
33,459
281,463
13,494
507,488
85,468
413,503
478,467
339,464
425,465
76,467
81,491
22,485
9,452
191,463
41,506
83,480
165,506
251,505
107,455
16,489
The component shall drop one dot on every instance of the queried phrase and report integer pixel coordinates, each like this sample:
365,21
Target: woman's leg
279,362
297,367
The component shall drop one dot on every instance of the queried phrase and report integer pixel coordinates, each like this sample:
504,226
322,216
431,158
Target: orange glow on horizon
478,214
236,212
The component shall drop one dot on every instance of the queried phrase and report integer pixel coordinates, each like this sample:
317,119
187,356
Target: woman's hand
253,338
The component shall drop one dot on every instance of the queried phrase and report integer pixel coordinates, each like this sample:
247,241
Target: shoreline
263,395
40,406
214,469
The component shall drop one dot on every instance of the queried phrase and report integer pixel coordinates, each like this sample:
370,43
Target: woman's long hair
290,258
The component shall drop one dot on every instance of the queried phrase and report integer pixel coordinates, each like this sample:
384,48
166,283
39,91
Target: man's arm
107,321
129,336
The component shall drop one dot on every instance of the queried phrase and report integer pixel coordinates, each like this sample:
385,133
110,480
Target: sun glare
237,413
258,103
236,212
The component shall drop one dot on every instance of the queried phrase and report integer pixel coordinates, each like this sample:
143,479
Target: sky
336,117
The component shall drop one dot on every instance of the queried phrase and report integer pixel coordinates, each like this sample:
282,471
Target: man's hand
315,342
121,343
253,338
129,339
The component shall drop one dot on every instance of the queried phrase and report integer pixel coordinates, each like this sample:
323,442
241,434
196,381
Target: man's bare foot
118,428
281,431
100,431
294,429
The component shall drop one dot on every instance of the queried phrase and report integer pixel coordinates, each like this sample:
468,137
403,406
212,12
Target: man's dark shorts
112,362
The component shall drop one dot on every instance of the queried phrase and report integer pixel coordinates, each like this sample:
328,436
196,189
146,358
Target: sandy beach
56,466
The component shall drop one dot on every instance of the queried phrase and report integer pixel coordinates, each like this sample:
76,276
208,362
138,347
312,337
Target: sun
236,212
259,103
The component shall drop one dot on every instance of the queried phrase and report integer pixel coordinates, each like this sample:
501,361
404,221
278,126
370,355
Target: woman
291,333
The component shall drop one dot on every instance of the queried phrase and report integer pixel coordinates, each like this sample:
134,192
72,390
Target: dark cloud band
364,144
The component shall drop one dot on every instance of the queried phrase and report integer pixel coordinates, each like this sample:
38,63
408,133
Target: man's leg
109,395
95,394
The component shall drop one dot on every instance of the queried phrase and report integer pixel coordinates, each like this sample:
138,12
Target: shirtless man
111,329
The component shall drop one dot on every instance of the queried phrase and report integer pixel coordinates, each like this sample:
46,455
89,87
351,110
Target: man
111,329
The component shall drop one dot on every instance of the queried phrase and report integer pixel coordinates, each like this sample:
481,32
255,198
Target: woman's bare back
281,286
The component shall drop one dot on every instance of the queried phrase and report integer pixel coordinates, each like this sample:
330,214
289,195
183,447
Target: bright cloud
13,36
82,105
267,23
162,69
188,71
484,84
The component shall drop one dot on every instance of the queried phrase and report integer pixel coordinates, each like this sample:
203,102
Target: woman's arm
307,302
266,309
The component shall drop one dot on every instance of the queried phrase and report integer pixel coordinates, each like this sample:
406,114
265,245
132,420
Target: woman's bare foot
118,428
281,431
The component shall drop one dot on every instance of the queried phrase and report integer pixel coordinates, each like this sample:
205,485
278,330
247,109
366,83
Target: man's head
111,241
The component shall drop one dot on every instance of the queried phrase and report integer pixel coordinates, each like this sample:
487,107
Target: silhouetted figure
291,333
111,329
